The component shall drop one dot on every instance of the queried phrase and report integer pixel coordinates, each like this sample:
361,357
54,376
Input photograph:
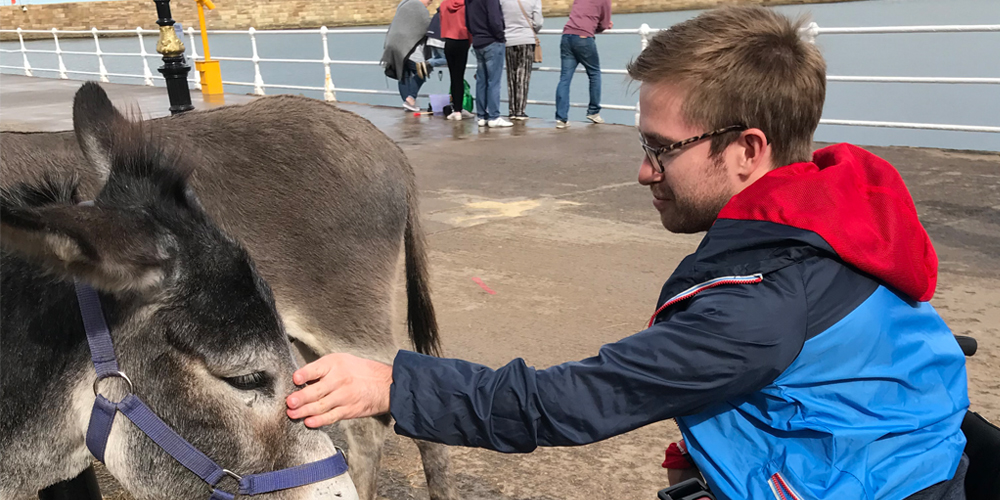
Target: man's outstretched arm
731,340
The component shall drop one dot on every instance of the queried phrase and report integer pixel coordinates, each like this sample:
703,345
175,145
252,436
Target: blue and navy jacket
796,349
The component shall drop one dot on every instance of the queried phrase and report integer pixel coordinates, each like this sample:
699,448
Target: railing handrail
810,32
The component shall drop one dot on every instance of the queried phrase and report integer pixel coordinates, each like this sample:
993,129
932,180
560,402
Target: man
484,19
795,347
586,19
403,54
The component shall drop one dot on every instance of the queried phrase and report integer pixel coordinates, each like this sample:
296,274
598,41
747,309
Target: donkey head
194,325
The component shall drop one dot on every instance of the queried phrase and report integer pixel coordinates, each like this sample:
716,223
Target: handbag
538,44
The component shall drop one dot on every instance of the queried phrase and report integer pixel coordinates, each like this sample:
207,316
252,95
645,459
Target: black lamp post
175,70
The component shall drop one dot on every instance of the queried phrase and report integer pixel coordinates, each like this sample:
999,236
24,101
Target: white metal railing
811,32
102,73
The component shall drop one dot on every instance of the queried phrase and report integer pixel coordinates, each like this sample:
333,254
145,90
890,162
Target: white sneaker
410,107
561,124
482,123
519,118
456,116
595,118
467,115
499,123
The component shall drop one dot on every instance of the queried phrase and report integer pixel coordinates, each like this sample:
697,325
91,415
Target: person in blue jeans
484,19
490,61
410,83
578,46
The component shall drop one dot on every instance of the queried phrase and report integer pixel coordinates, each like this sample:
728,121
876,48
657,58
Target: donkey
194,326
325,204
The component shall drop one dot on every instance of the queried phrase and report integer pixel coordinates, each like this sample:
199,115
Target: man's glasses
654,154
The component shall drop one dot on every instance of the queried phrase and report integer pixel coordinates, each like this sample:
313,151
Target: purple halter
102,353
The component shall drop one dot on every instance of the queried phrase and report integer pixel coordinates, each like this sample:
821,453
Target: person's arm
536,16
731,340
605,22
495,19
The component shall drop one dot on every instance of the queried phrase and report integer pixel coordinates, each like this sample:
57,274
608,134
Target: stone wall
276,14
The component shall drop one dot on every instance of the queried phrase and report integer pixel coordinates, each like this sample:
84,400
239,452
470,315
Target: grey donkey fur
325,203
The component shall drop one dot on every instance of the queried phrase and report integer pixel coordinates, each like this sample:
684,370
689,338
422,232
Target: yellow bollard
211,76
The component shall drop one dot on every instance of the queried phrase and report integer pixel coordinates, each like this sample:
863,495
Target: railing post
810,32
328,91
644,33
175,69
24,53
196,79
147,76
62,67
100,59
258,82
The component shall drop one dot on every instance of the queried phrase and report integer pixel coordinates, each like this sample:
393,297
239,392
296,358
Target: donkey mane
49,190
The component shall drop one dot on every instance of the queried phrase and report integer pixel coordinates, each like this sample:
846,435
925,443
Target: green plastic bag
468,102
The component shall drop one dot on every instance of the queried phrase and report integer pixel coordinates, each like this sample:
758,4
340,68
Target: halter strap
102,417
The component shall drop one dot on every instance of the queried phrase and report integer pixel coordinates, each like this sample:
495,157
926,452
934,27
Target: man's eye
249,382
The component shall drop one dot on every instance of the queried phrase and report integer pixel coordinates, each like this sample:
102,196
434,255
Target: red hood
453,6
858,203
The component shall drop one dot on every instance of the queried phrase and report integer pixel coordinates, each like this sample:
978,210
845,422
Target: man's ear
754,153
94,121
112,250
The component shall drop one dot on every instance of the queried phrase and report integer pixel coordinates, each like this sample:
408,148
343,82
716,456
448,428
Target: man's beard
692,214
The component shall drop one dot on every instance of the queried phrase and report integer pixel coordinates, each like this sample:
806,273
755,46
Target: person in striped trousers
522,20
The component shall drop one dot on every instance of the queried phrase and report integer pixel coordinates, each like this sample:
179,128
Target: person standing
523,19
586,19
484,18
403,55
456,51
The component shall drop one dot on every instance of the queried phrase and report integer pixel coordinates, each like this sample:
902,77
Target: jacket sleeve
495,15
731,340
537,20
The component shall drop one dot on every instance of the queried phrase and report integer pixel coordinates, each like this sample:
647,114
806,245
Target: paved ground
555,224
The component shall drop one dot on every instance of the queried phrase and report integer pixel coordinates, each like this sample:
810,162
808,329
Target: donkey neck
46,378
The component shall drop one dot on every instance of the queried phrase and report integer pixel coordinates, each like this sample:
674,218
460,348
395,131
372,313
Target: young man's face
693,187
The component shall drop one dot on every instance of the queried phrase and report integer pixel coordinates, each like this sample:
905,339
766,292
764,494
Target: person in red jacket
456,52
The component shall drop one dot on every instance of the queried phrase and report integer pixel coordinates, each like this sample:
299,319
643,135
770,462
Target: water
937,54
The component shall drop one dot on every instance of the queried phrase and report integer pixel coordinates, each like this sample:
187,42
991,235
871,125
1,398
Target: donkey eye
252,381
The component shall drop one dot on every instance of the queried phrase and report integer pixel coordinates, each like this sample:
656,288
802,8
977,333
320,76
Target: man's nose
647,174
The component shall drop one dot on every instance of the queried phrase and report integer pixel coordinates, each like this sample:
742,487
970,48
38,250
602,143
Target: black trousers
456,52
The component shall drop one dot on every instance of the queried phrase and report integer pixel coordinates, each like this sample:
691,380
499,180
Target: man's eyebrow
653,137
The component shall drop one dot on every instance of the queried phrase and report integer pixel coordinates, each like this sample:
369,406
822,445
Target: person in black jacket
484,19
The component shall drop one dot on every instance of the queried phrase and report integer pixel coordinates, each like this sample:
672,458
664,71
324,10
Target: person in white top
522,19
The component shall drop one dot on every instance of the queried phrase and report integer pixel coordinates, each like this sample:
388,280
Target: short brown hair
742,66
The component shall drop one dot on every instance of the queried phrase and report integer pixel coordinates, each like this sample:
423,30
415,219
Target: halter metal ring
229,473
118,374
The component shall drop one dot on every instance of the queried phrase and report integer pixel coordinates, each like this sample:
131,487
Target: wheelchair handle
968,344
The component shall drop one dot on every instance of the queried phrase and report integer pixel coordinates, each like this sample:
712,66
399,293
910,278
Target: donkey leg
437,470
365,438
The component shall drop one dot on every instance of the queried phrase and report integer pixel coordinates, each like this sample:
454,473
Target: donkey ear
112,250
94,119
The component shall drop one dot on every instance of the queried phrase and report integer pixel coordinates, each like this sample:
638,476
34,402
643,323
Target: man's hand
341,387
